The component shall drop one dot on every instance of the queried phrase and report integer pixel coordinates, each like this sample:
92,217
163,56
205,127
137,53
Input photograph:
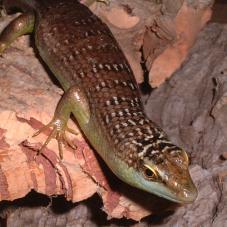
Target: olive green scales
102,94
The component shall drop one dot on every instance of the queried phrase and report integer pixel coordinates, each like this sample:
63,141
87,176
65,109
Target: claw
51,136
3,12
69,142
107,2
72,131
2,48
42,129
60,144
90,2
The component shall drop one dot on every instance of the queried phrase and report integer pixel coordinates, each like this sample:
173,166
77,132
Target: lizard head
166,174
148,160
163,172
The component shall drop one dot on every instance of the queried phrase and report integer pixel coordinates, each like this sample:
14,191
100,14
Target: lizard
102,94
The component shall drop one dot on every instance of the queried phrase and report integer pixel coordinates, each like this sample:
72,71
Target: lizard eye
149,173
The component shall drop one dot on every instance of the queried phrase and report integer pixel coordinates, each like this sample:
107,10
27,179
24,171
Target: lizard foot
59,128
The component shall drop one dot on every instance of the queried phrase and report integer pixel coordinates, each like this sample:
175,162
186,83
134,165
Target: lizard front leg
74,101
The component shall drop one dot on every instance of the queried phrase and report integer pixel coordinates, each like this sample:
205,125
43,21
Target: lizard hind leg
21,25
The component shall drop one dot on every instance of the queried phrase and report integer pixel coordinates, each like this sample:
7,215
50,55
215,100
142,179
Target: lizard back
86,53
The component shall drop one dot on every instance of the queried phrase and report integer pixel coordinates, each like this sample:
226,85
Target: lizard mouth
185,196
183,191
189,196
186,193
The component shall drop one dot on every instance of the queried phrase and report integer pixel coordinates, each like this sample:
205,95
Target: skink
102,94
